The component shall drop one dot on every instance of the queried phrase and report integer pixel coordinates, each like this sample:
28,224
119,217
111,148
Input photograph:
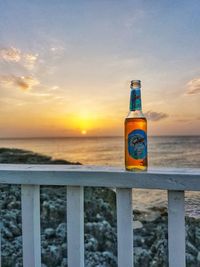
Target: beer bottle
135,132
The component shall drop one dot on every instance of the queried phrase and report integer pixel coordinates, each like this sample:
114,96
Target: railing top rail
77,175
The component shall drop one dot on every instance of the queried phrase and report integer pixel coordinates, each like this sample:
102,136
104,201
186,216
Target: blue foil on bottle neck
135,99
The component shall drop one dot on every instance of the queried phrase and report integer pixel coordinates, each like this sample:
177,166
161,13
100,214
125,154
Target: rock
14,205
52,256
197,235
7,233
160,256
61,231
109,257
64,262
107,238
100,259
12,155
45,208
198,259
142,257
190,260
91,244
152,216
49,232
191,249
14,229
138,240
137,225
64,248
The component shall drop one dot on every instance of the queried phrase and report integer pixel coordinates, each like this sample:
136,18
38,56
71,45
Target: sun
83,132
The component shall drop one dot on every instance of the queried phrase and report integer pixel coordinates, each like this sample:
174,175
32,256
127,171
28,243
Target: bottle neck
135,99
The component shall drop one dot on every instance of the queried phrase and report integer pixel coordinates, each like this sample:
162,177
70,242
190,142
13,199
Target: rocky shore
150,228
14,155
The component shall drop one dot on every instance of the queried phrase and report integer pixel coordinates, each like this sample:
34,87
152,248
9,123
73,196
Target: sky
66,66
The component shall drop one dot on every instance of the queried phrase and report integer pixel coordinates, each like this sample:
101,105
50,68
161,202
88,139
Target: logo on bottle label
137,144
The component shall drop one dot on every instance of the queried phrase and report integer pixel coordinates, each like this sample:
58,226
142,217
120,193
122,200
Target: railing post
75,226
0,241
176,229
31,225
125,227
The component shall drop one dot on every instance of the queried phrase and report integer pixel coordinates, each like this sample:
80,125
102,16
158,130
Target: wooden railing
30,177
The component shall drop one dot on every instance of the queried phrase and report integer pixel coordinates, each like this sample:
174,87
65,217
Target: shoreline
16,155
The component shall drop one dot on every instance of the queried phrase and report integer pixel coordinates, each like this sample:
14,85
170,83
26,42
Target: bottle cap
136,83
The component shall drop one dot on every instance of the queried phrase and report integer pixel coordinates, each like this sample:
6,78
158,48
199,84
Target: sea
163,151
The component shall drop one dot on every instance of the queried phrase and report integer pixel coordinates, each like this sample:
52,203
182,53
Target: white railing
30,177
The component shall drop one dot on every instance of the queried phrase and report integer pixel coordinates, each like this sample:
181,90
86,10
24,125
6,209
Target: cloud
56,47
40,94
155,116
12,54
21,82
54,88
26,60
29,60
193,87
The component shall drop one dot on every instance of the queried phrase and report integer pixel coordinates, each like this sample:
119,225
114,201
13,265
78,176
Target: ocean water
170,151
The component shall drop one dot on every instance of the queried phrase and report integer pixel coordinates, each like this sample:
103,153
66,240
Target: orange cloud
193,87
10,54
21,82
13,54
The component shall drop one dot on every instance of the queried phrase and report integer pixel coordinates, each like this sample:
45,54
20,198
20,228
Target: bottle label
137,144
135,99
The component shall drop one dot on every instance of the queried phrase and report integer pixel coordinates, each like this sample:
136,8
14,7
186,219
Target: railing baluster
31,225
125,227
75,226
176,229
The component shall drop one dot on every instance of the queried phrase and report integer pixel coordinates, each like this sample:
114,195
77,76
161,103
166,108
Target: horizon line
92,136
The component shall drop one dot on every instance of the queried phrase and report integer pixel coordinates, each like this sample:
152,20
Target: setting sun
83,132
82,122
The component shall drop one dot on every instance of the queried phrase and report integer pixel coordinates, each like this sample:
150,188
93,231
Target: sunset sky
65,66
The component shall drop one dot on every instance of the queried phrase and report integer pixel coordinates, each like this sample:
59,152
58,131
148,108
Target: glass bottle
135,132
